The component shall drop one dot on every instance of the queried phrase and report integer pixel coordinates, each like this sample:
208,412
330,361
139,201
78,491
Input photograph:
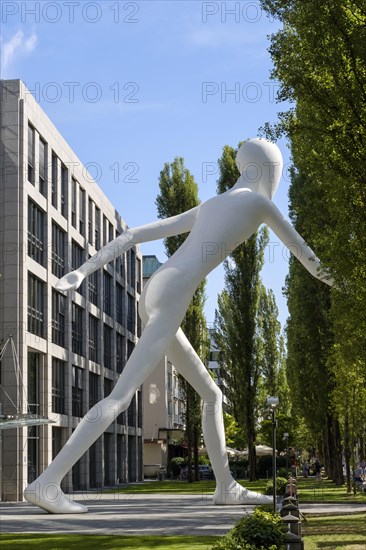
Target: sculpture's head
260,165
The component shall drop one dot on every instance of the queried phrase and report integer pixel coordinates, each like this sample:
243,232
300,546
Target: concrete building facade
71,346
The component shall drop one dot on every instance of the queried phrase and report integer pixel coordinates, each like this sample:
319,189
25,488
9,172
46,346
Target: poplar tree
320,62
179,193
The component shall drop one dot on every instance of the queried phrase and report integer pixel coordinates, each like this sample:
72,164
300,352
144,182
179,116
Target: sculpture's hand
325,276
71,281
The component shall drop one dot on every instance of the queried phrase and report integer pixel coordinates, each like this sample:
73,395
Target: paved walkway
129,514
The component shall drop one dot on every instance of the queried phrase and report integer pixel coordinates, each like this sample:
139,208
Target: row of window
59,200
36,325
37,251
97,386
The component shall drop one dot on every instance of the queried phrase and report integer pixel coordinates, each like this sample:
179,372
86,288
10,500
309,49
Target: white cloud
17,45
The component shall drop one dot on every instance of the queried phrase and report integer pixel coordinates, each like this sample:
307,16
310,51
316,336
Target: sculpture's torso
222,223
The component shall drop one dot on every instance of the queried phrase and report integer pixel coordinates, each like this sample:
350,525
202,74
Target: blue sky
131,85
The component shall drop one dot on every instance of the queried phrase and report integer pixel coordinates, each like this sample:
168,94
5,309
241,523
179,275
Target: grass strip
346,532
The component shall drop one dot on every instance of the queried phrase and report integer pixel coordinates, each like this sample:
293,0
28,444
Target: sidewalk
130,514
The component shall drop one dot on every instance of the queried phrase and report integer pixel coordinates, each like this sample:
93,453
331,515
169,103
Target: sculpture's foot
232,493
51,498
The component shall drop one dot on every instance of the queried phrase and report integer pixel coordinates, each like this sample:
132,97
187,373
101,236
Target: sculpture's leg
187,362
45,491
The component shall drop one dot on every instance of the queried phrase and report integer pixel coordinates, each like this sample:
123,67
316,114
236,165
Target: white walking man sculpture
215,228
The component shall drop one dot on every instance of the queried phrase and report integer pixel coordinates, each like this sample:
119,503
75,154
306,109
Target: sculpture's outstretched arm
295,243
160,229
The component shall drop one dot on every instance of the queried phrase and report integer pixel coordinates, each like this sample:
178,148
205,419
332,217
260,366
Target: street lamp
272,402
285,437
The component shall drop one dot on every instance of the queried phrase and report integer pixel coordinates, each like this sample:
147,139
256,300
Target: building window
107,296
107,334
108,385
93,338
54,180
42,167
31,153
58,318
34,376
82,211
74,190
97,228
131,412
130,313
90,222
119,304
138,275
58,386
120,352
77,259
56,441
77,329
35,232
120,261
130,348
77,391
105,230
64,189
93,389
58,250
139,329
93,287
131,268
35,305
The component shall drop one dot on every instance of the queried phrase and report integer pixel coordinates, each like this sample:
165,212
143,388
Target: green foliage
281,483
239,467
178,193
264,465
235,436
176,464
320,61
261,530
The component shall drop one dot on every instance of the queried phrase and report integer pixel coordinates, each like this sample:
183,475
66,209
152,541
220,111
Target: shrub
281,483
284,473
176,464
260,531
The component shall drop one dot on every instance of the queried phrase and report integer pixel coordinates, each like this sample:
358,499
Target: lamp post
272,402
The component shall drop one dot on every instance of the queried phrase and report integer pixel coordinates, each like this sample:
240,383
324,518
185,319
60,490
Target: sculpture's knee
109,408
212,406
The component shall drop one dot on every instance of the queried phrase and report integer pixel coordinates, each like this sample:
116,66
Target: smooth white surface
215,228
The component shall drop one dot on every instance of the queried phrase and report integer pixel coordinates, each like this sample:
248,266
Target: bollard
290,509
293,523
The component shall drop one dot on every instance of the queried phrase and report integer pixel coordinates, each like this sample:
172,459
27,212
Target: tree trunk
196,432
188,432
338,476
347,454
251,453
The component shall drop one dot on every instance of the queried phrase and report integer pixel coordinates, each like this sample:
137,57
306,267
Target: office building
71,346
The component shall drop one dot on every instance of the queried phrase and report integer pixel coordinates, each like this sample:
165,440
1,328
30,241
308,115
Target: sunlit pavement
128,514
